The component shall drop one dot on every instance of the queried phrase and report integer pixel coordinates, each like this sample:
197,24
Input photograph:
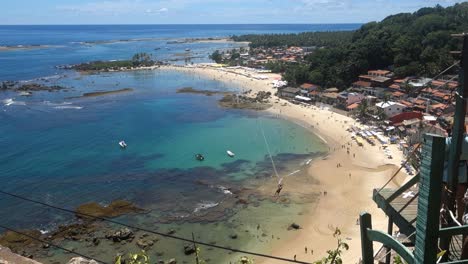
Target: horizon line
186,24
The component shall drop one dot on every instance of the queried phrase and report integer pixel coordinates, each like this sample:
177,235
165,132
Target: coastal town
235,143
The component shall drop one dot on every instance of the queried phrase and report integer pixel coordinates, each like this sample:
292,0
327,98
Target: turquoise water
62,149
66,150
69,44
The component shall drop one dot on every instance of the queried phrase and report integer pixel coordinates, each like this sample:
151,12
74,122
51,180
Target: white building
391,108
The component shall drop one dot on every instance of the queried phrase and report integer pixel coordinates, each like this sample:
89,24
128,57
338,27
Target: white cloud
116,7
158,11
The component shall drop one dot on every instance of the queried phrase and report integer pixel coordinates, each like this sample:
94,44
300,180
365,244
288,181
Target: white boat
123,144
230,153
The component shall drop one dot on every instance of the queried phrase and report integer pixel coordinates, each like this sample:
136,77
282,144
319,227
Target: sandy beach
347,179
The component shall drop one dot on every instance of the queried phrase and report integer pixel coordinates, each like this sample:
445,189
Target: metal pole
365,222
458,130
388,258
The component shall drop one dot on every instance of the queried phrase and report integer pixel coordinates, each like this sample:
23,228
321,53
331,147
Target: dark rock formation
195,91
17,242
114,209
259,102
189,249
145,243
121,235
294,226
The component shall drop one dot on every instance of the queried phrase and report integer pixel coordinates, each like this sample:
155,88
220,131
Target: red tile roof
352,106
309,86
438,106
395,86
398,94
367,77
403,102
379,72
442,83
420,102
362,84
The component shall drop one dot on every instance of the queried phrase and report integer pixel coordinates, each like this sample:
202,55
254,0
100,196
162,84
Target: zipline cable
51,244
152,231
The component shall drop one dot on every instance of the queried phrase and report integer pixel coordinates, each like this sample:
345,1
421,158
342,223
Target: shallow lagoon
64,151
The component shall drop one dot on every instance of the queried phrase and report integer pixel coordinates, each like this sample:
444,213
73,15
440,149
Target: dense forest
409,44
306,39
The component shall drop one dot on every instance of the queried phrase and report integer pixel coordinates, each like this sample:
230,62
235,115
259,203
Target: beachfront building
391,108
377,78
328,98
289,92
346,99
307,88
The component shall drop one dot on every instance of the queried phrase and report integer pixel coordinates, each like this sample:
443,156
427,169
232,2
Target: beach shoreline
346,180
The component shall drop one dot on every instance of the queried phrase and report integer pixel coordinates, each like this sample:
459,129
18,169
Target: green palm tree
363,108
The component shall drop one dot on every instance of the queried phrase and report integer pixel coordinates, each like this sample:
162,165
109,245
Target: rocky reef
29,87
259,102
114,209
192,90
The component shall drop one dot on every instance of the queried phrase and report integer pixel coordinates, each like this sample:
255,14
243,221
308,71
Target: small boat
199,157
187,49
230,153
123,144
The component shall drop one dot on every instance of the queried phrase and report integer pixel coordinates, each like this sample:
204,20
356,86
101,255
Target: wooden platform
403,208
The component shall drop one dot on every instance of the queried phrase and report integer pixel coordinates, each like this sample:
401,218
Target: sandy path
349,186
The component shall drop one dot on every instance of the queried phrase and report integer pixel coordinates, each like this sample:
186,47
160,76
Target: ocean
60,148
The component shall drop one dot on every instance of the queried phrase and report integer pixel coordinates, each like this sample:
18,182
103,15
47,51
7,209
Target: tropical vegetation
138,60
305,39
409,44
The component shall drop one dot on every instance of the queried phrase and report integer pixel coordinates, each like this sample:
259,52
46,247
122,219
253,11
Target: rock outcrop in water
17,242
29,87
121,235
114,209
259,102
192,90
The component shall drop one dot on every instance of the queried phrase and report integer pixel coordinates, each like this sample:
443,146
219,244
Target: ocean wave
44,231
56,104
68,107
294,172
224,189
10,101
63,105
204,205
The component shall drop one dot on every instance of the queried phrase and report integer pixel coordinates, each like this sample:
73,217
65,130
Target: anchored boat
199,157
123,144
230,153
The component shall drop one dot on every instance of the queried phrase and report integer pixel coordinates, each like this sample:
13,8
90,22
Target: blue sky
204,11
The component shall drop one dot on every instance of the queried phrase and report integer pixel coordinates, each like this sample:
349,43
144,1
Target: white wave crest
10,101
68,107
204,205
224,189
